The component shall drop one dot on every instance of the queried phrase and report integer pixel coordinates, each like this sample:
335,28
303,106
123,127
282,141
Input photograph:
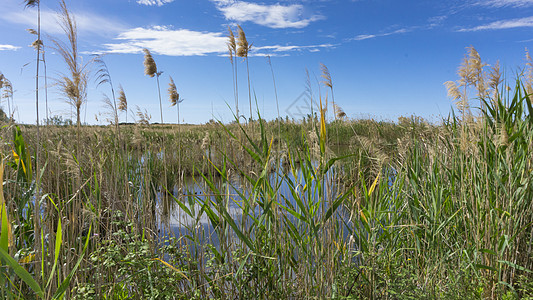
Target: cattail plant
242,51
150,69
122,101
232,51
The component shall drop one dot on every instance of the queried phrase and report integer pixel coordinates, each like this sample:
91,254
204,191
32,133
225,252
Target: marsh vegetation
317,208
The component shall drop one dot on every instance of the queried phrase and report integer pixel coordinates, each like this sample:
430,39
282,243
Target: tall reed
150,69
242,51
32,3
232,51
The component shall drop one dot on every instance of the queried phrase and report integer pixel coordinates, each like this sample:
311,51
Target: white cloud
371,36
166,41
273,16
503,24
503,3
8,48
86,22
154,2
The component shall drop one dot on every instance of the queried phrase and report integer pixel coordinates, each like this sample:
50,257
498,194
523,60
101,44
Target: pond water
194,192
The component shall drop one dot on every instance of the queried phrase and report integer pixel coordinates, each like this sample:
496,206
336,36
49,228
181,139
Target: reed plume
31,3
74,85
150,69
340,114
328,83
471,74
232,51
173,94
144,117
122,101
494,80
102,77
242,51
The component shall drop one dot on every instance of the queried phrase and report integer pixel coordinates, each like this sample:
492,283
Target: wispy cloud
154,2
503,3
503,24
165,40
8,48
86,22
270,50
362,37
273,16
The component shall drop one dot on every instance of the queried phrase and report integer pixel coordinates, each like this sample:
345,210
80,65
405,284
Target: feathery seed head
326,75
453,90
339,111
122,102
37,44
173,92
150,68
31,3
231,40
32,31
244,47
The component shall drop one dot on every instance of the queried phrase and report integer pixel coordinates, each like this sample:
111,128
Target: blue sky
387,58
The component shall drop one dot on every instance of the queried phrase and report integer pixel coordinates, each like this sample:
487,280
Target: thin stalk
37,212
159,91
46,89
249,90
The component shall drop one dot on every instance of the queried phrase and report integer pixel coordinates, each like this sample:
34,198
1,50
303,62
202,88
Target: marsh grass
380,210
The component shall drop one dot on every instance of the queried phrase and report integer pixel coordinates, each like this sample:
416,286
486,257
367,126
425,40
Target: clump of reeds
150,69
471,74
